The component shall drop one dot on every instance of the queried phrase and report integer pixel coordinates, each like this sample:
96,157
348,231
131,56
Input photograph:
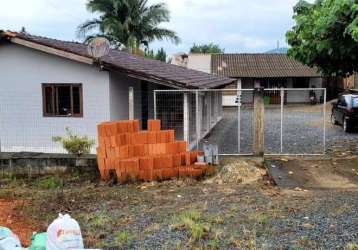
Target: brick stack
132,155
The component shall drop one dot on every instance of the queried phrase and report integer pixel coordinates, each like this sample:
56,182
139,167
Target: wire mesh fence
294,119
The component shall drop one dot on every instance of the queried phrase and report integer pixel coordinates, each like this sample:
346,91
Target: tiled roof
136,65
259,66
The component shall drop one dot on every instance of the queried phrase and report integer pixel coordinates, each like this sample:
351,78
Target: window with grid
62,100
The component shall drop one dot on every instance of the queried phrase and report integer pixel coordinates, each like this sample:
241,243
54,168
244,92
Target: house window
62,100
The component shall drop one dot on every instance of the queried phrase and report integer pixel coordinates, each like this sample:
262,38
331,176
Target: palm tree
128,23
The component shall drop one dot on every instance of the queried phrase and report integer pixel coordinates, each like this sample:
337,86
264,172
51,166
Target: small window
63,100
355,102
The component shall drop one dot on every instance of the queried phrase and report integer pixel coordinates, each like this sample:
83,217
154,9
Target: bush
75,144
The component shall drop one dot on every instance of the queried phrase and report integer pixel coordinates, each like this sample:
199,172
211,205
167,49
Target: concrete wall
22,125
201,62
119,96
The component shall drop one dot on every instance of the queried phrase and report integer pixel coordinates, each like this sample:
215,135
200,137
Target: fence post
259,113
131,103
282,94
198,121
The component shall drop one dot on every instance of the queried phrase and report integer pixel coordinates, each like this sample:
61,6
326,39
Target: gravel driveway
302,131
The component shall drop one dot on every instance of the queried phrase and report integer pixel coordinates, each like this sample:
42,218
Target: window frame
55,107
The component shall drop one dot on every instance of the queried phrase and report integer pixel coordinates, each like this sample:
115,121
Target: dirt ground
238,208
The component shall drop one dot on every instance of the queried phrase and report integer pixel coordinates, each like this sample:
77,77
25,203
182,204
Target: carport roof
260,66
120,61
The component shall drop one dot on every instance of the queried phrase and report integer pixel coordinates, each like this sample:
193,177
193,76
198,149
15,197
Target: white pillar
186,118
131,103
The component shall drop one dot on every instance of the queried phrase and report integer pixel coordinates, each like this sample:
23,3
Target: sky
238,26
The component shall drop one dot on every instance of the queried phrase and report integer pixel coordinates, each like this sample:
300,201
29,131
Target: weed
124,238
351,246
100,220
52,182
191,220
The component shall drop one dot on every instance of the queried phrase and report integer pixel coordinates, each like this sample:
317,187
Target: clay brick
157,175
112,129
146,163
146,175
163,136
153,125
128,138
101,152
122,152
122,127
161,147
177,160
101,163
151,137
168,173
135,125
107,141
187,159
101,130
182,146
193,157
101,142
130,151
183,172
132,168
140,137
139,150
171,148
171,135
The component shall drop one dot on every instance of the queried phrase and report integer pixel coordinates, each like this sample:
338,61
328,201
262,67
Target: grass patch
123,239
351,246
52,182
192,222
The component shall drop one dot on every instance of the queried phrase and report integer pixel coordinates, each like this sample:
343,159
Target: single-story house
256,70
48,85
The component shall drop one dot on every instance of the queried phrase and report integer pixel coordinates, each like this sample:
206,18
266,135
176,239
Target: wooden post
259,113
131,103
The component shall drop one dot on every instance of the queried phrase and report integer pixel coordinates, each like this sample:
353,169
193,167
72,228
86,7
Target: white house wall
201,62
22,124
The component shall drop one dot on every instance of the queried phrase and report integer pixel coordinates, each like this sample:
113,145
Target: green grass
124,239
52,182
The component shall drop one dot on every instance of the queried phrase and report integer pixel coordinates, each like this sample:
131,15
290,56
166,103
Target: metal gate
294,121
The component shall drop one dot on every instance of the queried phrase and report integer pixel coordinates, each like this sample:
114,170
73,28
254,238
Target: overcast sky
237,25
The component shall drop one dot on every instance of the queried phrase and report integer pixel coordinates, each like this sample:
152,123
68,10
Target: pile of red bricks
134,155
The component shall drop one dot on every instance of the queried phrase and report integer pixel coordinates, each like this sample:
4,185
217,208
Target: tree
326,36
161,55
207,49
128,23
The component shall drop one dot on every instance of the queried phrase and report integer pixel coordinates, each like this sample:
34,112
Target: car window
342,101
355,102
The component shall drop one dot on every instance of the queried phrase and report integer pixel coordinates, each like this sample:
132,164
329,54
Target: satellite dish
98,47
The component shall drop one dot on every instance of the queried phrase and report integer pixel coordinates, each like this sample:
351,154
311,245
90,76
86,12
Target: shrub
75,144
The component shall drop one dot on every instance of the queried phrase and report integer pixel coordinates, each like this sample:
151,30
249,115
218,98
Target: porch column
131,103
186,118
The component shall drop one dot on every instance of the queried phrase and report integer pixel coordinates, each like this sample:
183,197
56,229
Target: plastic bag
38,241
8,240
64,233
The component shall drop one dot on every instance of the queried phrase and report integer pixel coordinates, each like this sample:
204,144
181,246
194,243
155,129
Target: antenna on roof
98,47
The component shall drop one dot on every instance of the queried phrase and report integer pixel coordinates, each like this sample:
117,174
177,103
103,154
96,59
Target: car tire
333,120
346,126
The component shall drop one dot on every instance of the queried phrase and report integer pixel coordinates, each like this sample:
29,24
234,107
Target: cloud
237,25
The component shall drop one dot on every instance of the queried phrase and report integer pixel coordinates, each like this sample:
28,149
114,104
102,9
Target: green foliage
191,221
128,23
124,238
161,55
75,144
326,36
207,49
51,182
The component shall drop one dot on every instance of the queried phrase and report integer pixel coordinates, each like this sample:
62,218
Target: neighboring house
48,85
255,70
